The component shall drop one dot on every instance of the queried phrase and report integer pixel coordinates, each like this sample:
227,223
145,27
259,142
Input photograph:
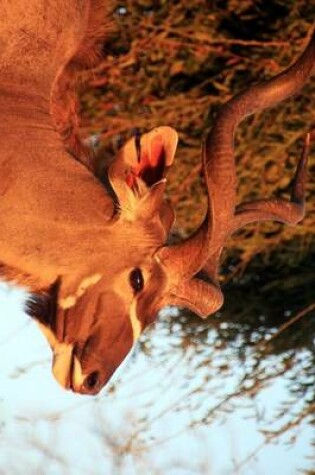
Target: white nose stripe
62,364
78,376
135,323
62,356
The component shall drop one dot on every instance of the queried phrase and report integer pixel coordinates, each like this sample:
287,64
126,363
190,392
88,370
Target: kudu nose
83,381
92,383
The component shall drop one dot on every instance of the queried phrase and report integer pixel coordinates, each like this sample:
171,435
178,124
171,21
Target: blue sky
143,422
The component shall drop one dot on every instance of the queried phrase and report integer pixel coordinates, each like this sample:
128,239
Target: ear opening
156,151
144,159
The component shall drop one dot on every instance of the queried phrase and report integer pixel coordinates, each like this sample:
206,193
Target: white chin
62,362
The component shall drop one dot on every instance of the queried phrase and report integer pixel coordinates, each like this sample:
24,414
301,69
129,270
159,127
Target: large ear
141,164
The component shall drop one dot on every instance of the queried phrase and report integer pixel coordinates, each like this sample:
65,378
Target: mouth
77,377
67,368
62,366
67,371
62,357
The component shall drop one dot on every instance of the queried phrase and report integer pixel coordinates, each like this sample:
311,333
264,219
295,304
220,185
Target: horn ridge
185,259
203,298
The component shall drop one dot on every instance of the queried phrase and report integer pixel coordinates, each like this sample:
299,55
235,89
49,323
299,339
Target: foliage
171,63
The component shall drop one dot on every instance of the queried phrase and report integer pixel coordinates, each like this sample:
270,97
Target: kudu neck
37,39
23,109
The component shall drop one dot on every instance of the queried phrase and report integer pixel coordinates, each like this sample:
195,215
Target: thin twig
263,345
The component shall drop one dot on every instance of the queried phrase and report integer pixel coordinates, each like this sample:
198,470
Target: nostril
91,381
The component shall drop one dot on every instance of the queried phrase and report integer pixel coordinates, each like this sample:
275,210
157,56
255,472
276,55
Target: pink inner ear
150,167
157,150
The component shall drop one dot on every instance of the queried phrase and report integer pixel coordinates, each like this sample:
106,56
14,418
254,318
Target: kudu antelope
98,266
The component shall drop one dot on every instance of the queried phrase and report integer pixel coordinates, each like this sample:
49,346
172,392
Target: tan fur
70,300
101,268
59,226
64,102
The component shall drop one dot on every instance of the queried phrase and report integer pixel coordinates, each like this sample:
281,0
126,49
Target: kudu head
92,320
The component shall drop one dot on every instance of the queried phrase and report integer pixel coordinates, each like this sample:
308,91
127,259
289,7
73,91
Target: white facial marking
71,300
78,376
49,335
135,323
62,364
86,283
67,302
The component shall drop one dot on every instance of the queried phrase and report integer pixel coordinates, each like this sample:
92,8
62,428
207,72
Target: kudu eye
136,280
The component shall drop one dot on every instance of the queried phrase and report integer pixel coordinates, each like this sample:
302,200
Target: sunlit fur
65,237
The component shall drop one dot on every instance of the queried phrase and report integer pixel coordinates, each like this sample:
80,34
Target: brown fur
61,233
45,45
58,224
64,102
13,275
